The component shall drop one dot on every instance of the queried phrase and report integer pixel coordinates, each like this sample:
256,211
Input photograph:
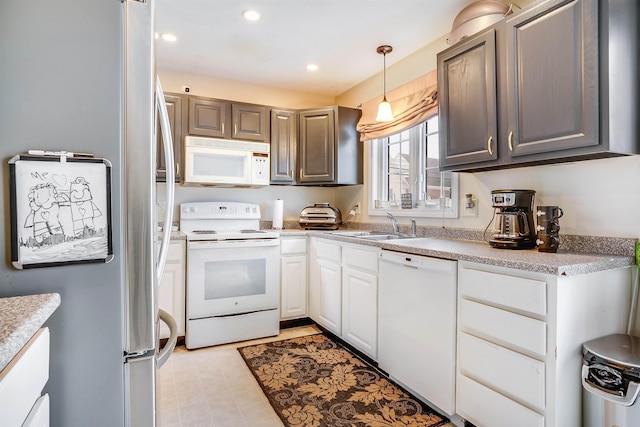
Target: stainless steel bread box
320,216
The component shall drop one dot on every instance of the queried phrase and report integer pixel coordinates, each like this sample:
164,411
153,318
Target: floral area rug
313,381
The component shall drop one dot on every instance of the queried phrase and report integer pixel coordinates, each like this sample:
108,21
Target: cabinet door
284,140
209,117
250,122
171,297
317,146
552,79
174,109
293,287
326,295
467,96
360,310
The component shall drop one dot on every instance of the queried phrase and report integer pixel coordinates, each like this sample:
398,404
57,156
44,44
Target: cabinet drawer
23,379
360,258
293,246
503,326
509,291
485,407
39,415
327,250
504,370
175,253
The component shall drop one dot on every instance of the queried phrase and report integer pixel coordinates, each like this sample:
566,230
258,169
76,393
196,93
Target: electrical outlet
469,212
356,209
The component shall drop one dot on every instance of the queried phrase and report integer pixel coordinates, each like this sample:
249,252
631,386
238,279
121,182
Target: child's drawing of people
44,202
83,210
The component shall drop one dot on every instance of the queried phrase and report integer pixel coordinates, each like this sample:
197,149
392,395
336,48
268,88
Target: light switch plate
471,212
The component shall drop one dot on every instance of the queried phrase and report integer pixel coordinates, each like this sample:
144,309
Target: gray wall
60,71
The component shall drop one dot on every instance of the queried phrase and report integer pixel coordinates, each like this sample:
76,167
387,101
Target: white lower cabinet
325,285
21,384
520,338
343,291
171,295
360,298
293,277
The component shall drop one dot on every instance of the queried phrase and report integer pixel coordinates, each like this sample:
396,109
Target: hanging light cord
384,76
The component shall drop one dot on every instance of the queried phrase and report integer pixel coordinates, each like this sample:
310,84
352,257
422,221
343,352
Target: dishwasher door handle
410,266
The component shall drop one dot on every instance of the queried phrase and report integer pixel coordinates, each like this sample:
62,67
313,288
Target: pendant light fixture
384,109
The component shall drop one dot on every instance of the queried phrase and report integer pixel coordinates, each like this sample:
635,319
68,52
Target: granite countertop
564,262
20,319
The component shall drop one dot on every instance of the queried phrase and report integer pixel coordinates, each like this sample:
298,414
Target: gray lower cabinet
330,152
284,141
209,117
560,87
177,116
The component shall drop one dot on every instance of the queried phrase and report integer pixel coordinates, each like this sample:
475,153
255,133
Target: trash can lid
620,349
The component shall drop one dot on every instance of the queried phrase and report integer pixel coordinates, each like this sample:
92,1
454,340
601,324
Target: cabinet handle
177,168
511,141
235,129
222,128
489,141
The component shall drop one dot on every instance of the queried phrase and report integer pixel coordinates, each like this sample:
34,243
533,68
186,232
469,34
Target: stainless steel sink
385,236
350,233
370,235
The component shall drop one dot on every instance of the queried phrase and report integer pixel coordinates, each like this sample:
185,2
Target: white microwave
226,162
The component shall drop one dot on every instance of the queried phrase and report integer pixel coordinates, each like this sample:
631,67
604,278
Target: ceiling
340,36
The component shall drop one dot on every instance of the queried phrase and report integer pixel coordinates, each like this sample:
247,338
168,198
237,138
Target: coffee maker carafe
514,226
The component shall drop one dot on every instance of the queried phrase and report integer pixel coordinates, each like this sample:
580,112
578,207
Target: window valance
411,103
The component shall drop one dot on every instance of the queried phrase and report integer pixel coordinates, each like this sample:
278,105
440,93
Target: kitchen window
405,166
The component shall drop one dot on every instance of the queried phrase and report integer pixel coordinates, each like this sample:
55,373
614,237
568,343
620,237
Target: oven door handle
230,244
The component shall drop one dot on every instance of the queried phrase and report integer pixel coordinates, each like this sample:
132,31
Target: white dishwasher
417,325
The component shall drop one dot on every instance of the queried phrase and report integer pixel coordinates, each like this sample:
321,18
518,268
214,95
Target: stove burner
204,232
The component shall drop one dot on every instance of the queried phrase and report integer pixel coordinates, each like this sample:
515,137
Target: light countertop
567,263
20,319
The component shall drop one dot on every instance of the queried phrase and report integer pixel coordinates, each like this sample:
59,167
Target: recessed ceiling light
251,14
312,67
168,37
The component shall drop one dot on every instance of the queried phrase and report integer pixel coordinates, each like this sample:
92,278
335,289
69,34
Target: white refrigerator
80,76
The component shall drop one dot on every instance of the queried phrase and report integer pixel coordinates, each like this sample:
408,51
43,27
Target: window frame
378,160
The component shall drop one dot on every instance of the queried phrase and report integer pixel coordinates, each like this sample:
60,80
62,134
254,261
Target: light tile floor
212,387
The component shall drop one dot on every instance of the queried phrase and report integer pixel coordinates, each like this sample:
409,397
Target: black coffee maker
514,226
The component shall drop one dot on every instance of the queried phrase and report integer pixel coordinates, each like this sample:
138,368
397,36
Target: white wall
295,198
173,81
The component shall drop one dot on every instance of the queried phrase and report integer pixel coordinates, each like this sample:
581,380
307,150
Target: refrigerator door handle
166,351
170,178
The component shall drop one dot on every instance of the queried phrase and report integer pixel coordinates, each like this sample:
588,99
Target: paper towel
278,208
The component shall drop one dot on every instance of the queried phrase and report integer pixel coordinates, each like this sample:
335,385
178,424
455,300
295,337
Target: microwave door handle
170,179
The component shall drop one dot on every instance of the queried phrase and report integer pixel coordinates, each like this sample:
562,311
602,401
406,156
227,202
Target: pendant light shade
384,109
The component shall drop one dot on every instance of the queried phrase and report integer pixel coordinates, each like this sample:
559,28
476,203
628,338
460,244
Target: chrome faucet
394,223
413,227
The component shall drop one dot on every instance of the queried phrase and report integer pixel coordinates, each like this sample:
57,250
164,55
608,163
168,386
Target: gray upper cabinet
468,119
551,75
284,141
250,122
330,152
209,117
177,116
565,87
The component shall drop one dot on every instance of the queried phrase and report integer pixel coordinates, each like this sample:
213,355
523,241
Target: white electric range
233,274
